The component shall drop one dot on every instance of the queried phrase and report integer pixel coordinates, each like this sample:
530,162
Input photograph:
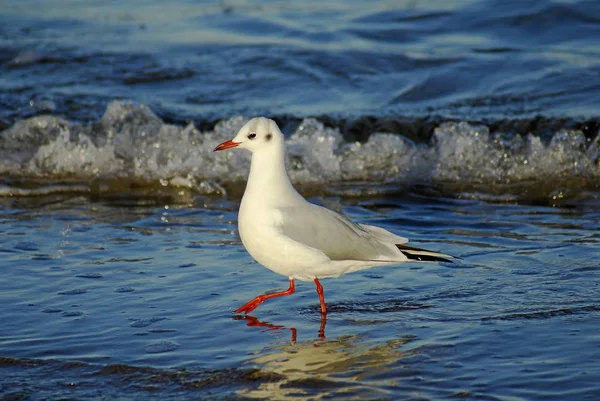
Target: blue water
210,60
145,285
471,127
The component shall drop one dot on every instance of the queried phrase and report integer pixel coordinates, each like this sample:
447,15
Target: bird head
257,134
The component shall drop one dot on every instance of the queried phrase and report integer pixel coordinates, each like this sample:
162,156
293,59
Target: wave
52,379
130,147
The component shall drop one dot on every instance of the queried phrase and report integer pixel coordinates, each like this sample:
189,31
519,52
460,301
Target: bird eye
251,136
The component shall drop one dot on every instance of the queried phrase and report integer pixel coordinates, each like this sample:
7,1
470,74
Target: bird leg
253,304
321,297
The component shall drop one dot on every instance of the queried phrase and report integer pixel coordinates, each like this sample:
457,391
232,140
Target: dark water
210,60
471,127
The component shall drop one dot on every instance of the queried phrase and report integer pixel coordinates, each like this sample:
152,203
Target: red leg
323,323
251,305
321,297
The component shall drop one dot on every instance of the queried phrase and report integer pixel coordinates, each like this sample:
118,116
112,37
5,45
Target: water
470,127
145,285
211,60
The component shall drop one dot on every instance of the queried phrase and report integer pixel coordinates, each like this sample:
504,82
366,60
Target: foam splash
471,153
132,146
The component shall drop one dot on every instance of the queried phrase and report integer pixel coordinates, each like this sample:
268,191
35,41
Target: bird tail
423,255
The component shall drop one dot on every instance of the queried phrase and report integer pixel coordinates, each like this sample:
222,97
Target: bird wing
335,235
383,234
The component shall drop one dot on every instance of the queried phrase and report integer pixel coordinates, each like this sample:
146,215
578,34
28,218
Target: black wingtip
425,258
423,255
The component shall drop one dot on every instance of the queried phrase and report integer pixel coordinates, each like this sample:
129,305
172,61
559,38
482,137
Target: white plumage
296,238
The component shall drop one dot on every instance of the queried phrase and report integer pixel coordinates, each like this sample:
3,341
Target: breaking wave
131,147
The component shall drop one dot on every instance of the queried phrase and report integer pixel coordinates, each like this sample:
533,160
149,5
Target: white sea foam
132,145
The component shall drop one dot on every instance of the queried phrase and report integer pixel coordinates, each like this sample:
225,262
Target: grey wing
334,234
384,235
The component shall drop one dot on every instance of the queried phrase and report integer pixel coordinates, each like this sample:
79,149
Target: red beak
226,145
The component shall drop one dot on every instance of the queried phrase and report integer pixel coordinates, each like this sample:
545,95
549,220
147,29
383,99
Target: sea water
470,127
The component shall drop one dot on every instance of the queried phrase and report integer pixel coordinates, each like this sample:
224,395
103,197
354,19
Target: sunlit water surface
94,293
470,127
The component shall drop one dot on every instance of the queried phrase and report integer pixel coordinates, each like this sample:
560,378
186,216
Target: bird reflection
252,321
343,367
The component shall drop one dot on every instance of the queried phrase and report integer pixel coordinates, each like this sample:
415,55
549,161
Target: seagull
298,239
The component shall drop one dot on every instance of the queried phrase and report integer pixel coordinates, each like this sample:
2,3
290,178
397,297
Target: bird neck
268,177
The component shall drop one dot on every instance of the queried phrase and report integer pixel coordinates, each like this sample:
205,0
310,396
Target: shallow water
147,284
471,127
